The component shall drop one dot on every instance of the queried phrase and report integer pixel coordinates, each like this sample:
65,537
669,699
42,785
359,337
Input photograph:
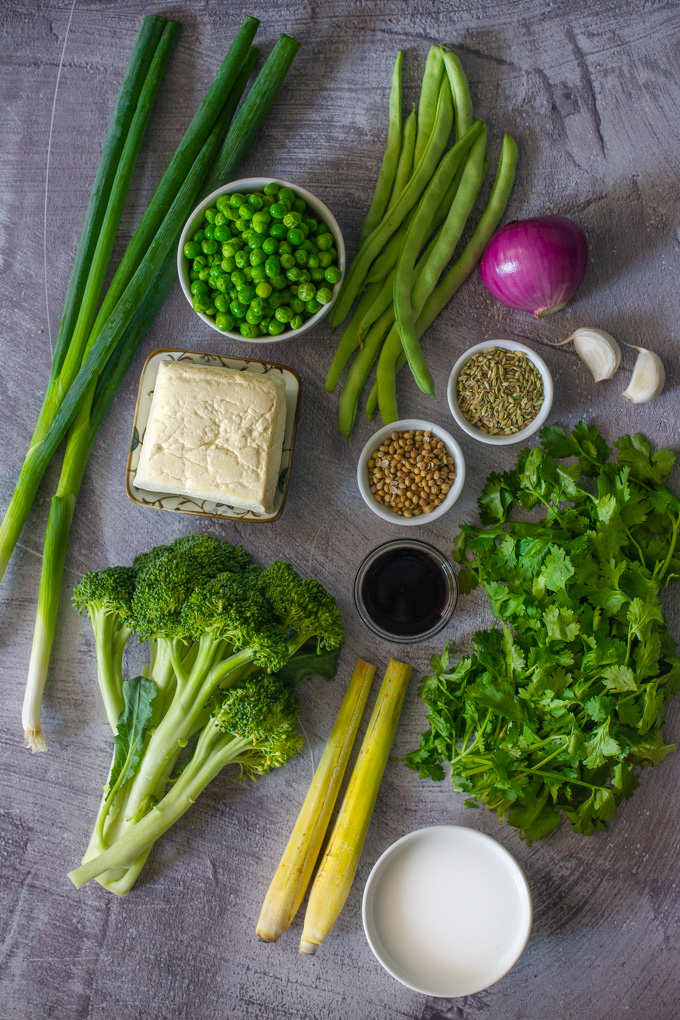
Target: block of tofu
214,433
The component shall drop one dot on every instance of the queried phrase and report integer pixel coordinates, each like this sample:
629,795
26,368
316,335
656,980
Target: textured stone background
590,91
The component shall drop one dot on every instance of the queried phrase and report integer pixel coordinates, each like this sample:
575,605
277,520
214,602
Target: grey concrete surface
590,91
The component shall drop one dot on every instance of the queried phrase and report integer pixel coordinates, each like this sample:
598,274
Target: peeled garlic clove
598,351
648,377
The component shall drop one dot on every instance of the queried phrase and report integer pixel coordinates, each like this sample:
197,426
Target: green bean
435,147
392,356
454,224
383,188
350,339
405,164
429,95
460,90
408,299
358,373
382,301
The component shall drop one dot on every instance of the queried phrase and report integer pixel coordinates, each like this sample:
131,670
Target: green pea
223,284
286,295
208,230
296,306
199,262
311,223
204,273
241,258
191,249
286,195
224,322
221,219
309,247
283,313
271,189
222,203
246,211
318,275
299,205
287,260
238,279
270,245
228,264
200,303
258,306
237,309
252,316
222,234
301,257
233,294
255,201
278,230
209,247
221,302
324,241
248,273
231,214
296,322
333,252
236,200
275,299
193,275
210,307
198,287
285,248
264,325
306,291
210,214
255,240
230,248
272,267
333,274
293,274
313,261
278,282
240,224
295,236
312,307
324,259
263,289
278,210
258,273
324,295
198,236
305,276
275,327
292,219
246,295
248,330
258,256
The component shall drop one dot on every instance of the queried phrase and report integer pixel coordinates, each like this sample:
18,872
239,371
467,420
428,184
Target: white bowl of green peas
261,260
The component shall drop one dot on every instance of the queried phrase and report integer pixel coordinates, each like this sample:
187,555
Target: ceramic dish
405,425
516,437
257,184
447,911
206,507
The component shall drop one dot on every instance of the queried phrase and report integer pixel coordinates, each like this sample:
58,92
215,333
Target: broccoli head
304,605
262,714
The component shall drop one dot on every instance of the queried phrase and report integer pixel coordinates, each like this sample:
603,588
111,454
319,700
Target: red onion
535,265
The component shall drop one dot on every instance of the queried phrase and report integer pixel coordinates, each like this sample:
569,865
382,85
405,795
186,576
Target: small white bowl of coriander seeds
411,472
500,392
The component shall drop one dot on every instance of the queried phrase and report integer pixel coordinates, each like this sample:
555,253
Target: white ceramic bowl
257,184
447,911
516,437
406,425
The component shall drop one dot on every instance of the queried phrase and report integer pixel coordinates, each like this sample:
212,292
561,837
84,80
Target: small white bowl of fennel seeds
500,392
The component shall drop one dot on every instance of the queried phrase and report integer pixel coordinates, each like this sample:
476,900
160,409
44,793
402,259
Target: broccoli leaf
133,726
307,662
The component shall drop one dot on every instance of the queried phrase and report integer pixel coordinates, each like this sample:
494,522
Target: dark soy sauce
404,592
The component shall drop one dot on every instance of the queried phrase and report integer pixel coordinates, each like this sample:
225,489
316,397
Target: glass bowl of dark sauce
405,591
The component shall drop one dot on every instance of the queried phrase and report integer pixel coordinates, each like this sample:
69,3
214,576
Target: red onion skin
535,265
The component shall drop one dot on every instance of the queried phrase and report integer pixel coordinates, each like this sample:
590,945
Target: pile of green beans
423,200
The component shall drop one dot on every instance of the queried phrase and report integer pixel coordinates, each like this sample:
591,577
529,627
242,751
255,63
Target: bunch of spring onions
422,203
99,332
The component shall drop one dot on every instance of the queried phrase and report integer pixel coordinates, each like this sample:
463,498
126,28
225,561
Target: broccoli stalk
217,626
252,727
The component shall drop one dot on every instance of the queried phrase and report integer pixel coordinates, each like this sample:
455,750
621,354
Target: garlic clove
648,378
598,350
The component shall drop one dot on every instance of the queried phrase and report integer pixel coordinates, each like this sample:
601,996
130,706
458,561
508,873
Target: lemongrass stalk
294,872
339,864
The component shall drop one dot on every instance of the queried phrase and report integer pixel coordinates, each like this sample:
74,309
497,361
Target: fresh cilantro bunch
557,706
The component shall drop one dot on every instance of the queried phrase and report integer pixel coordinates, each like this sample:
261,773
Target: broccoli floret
107,596
303,605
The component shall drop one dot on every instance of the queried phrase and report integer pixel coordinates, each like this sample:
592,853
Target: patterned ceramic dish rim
248,516
250,184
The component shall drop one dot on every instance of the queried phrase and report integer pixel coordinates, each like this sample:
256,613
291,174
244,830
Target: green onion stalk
225,150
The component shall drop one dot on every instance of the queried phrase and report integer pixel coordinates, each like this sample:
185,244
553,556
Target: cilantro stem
475,742
671,550
639,550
